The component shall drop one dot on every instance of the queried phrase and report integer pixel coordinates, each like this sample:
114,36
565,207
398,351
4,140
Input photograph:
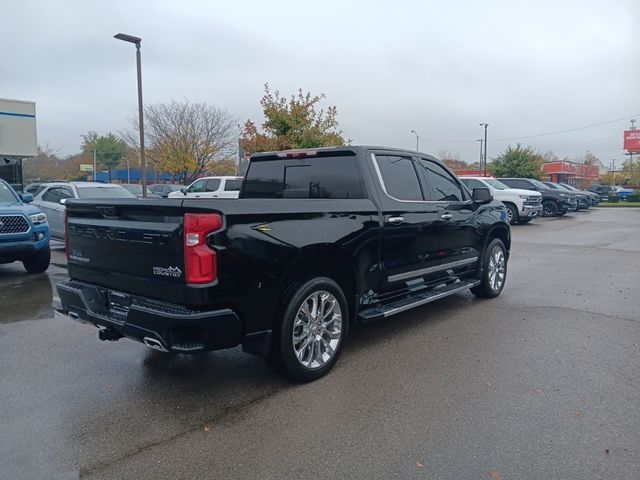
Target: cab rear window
316,177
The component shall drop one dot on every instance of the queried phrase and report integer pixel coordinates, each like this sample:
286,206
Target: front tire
512,214
549,208
39,262
494,271
312,329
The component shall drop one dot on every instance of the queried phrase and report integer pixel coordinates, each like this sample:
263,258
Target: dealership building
18,139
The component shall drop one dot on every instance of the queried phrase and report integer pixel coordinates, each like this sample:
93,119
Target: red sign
632,140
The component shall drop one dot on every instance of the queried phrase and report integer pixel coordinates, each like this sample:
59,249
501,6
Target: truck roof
323,151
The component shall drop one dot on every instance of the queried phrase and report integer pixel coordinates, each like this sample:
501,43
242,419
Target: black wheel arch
324,261
501,231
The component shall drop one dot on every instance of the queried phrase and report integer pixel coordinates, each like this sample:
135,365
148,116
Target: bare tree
452,160
185,138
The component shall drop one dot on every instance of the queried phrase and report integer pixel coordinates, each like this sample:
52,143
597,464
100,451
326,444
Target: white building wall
17,129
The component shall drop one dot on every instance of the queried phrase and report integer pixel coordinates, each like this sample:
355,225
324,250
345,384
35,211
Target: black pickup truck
318,239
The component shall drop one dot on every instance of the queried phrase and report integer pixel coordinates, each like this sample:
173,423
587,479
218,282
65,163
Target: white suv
211,187
522,205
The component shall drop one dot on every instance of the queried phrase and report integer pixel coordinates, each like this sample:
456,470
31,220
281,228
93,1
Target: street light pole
417,140
94,165
480,163
143,166
484,163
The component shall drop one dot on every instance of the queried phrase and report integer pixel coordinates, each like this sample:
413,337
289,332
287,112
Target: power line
557,132
545,134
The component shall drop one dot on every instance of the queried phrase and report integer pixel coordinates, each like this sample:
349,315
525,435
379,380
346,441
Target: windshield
6,194
135,189
497,184
538,183
104,192
569,187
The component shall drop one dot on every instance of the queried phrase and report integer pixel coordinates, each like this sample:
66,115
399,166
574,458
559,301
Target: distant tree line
188,139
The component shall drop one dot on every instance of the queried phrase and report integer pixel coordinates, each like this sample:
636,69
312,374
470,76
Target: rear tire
494,270
39,262
512,213
311,330
549,208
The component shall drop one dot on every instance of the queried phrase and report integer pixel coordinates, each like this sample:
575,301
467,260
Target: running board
414,300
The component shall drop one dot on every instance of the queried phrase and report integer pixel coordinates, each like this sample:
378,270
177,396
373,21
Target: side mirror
26,197
183,191
481,195
63,201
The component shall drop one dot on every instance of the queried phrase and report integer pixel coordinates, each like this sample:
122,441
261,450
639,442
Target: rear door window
399,176
515,183
212,185
55,194
232,185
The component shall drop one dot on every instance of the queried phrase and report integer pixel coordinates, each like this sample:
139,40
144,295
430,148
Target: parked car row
605,191
527,198
50,197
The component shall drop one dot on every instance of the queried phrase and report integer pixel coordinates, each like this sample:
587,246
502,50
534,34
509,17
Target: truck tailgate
133,245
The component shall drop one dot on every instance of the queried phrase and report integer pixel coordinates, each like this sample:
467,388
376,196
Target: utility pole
484,163
417,140
480,162
94,165
633,127
239,163
143,166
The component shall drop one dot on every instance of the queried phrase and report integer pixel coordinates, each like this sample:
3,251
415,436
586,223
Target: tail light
66,234
200,261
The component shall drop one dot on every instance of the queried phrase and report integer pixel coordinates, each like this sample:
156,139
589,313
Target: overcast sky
439,67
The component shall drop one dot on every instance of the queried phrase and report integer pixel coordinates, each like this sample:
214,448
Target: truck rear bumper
159,325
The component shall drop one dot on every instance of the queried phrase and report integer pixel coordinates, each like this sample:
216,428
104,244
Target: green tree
294,122
110,149
517,161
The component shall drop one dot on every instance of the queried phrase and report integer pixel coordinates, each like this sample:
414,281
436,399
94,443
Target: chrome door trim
436,268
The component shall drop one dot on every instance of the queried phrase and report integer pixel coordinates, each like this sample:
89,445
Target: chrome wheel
496,268
317,329
510,215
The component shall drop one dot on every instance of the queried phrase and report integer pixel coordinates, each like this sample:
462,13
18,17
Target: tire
524,221
512,213
549,208
39,262
298,325
494,271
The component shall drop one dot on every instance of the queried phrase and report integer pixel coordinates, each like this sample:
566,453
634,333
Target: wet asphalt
541,382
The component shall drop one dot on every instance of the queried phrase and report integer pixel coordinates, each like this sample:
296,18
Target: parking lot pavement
539,383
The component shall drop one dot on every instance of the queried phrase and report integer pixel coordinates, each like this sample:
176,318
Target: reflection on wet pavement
26,296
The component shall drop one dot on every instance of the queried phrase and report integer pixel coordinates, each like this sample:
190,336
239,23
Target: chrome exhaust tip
154,344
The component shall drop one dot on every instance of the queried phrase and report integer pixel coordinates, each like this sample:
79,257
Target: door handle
395,219
446,216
